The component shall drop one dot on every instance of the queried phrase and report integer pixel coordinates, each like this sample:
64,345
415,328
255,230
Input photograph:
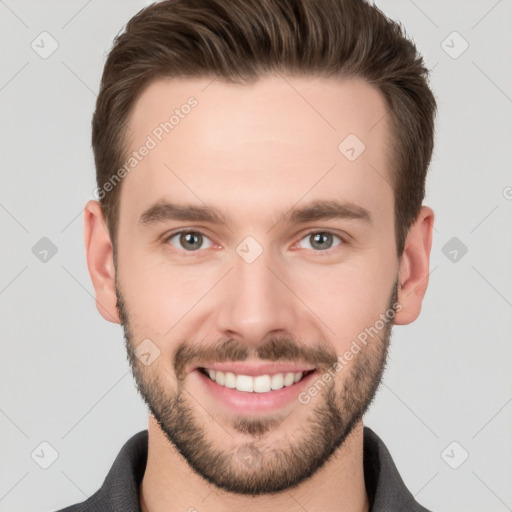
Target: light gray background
64,375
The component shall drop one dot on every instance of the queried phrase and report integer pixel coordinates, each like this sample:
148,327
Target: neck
170,484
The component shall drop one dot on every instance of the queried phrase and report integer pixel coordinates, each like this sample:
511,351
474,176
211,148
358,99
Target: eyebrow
316,210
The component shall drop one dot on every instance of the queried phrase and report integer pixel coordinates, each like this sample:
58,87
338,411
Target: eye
191,241
321,240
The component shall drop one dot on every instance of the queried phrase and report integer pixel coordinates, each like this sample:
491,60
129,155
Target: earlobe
100,261
414,267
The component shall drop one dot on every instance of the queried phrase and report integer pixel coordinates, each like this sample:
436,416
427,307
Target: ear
414,267
100,261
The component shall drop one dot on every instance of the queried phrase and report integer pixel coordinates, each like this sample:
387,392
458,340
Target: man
233,139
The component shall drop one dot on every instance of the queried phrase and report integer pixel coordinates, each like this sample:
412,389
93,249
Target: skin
245,149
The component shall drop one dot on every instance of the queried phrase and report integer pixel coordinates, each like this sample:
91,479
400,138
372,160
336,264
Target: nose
255,301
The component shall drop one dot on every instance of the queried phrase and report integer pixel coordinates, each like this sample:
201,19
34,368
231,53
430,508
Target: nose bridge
254,301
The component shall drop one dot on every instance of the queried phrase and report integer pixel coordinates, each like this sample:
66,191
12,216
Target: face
251,247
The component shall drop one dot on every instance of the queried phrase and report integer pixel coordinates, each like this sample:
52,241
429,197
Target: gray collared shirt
120,490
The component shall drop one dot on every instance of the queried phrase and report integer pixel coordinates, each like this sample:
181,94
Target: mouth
252,390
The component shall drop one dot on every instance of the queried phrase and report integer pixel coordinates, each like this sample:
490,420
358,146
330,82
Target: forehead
277,108
273,140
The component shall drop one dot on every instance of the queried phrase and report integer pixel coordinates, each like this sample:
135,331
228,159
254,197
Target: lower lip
244,402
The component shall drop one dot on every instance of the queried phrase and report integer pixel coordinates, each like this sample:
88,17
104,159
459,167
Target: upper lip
255,369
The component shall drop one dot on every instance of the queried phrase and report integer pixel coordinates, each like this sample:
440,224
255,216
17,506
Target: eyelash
308,234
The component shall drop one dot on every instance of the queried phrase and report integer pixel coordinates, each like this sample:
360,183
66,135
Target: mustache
275,349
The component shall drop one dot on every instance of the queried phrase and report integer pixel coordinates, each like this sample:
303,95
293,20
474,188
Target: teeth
259,384
243,382
229,380
277,381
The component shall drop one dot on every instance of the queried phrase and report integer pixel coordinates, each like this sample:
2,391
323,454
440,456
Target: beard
256,466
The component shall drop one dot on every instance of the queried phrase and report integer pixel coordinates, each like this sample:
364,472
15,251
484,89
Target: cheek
347,297
157,294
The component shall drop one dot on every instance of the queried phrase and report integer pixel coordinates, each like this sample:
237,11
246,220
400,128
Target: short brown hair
241,41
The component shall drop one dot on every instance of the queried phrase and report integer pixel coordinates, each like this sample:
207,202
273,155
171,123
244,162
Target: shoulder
384,485
120,489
